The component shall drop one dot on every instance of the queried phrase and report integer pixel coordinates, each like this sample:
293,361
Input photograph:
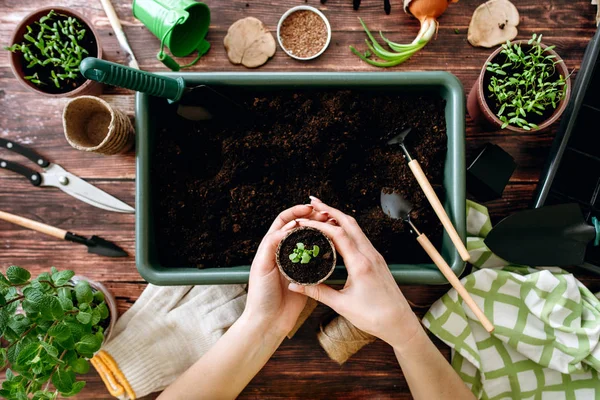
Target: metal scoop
437,206
397,207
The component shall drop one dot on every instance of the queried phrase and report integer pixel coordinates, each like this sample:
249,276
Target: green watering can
181,25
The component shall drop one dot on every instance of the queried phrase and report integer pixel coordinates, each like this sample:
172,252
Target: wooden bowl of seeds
303,32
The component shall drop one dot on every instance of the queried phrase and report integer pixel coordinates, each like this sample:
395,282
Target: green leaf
53,270
96,317
28,353
103,309
84,317
3,358
19,323
51,308
60,332
4,318
305,258
63,380
17,275
3,281
316,250
84,293
62,277
80,366
77,387
88,345
98,297
51,350
300,246
43,395
66,303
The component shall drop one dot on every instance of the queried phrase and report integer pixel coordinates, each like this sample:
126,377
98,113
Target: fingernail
296,288
308,205
332,220
290,224
313,198
325,213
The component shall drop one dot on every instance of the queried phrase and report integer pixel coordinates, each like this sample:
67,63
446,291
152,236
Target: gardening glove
166,331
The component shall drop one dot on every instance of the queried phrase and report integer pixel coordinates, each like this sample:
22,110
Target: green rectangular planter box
442,83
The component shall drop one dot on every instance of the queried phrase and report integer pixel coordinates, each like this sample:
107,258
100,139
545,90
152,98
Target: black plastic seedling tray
572,172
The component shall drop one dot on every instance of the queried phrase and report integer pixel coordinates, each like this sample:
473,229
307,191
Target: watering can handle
130,78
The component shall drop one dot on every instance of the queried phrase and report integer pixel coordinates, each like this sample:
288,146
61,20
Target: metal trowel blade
548,236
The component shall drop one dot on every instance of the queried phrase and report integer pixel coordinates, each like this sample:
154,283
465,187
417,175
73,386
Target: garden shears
55,175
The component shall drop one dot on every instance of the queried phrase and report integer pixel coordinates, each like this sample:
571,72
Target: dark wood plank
299,369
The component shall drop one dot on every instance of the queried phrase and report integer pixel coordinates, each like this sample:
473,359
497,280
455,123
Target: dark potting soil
44,72
218,185
318,267
495,106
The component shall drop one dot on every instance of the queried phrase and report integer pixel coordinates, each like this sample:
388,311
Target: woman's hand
270,303
371,298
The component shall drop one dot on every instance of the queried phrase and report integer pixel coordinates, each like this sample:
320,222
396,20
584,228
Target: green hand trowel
547,236
197,103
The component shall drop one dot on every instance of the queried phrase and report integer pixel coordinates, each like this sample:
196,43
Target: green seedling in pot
52,45
51,325
523,83
302,255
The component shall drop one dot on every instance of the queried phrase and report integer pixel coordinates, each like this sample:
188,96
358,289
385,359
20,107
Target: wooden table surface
300,368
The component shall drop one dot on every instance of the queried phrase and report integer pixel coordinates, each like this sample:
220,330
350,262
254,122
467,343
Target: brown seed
303,33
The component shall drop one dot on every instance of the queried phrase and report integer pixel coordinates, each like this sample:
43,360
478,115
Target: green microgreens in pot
53,43
524,83
302,255
51,327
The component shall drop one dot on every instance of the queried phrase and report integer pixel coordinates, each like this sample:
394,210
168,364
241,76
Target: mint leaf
51,308
61,332
84,293
84,317
77,387
19,323
88,345
103,309
53,271
63,380
4,317
66,303
44,276
17,275
62,277
80,366
51,350
28,354
3,281
43,395
98,297
3,358
96,316
2,300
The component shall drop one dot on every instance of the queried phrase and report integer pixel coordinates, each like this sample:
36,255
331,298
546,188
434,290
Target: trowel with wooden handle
397,207
548,236
95,244
433,199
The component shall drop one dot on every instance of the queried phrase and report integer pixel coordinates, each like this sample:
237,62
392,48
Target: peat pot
444,84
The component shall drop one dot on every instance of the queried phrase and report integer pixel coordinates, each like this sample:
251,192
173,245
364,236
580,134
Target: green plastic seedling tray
442,83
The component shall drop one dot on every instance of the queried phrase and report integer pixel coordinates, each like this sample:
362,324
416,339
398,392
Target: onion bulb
427,12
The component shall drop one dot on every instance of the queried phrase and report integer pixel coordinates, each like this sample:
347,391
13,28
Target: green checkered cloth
546,342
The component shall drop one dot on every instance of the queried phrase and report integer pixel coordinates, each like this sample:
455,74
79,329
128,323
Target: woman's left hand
270,303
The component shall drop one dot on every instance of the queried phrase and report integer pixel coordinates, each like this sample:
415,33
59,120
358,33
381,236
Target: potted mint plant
50,325
523,86
47,48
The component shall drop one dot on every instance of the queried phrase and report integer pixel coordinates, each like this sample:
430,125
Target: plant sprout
53,44
302,255
525,83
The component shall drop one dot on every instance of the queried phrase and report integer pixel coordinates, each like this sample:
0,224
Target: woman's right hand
371,298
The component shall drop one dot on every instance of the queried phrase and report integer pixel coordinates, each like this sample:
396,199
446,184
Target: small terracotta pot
278,255
16,59
482,114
